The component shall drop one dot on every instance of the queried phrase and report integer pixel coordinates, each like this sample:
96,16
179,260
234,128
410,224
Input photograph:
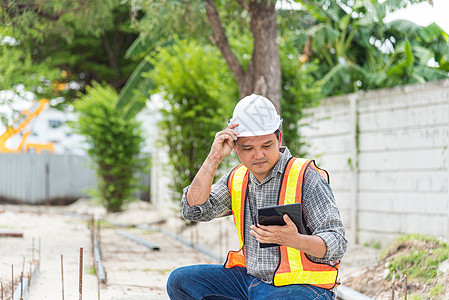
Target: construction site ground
132,270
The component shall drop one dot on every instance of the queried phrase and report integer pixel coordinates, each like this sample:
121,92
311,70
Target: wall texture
37,178
387,154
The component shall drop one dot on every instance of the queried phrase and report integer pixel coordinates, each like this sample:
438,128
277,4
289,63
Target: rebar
62,276
23,265
40,252
392,286
21,285
97,256
12,282
405,286
81,275
29,281
98,281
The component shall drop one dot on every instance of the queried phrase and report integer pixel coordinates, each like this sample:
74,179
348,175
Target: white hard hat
256,116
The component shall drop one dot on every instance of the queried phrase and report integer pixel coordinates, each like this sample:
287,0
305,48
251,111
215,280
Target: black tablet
273,215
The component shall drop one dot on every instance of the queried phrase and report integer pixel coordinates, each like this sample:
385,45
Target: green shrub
199,93
114,144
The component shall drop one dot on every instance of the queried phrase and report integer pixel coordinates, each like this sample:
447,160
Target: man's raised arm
222,146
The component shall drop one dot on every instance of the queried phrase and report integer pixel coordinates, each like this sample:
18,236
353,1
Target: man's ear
280,139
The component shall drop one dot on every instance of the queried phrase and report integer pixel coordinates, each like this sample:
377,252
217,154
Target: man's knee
175,280
176,283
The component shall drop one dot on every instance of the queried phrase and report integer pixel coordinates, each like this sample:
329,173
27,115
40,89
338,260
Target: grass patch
417,255
91,271
436,291
160,271
374,245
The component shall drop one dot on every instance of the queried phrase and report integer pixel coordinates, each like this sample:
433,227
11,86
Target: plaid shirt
320,214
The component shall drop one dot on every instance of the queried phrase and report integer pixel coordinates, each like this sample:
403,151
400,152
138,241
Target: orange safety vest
294,266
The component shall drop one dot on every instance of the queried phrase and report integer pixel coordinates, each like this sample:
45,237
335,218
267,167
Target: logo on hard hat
256,116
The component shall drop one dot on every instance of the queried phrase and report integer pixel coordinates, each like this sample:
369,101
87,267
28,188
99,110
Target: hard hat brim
246,133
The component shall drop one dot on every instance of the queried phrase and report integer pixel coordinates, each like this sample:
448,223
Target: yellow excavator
19,125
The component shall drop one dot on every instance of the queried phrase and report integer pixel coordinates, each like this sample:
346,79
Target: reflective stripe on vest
294,266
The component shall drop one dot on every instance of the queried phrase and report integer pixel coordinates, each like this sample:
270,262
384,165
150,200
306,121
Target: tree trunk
264,71
263,76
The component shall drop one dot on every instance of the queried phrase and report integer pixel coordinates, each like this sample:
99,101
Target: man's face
258,153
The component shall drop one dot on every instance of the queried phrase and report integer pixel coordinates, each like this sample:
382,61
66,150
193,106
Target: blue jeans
213,282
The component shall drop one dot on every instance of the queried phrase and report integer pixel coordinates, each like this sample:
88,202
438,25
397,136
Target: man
305,265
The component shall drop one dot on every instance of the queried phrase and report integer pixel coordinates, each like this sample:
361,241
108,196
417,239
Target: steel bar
12,280
11,234
392,286
40,252
18,293
98,282
25,281
138,240
29,276
62,275
81,275
99,265
405,287
23,265
346,293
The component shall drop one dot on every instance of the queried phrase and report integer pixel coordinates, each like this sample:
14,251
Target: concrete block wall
387,152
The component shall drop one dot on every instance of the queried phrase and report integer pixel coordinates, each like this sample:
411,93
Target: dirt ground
374,280
132,271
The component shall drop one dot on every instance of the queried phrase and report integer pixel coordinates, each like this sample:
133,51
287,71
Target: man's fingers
259,230
233,125
267,228
225,137
226,134
287,219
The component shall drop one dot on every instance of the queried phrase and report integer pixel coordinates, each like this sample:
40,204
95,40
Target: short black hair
277,133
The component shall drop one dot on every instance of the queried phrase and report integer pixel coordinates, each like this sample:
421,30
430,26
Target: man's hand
283,235
288,235
223,143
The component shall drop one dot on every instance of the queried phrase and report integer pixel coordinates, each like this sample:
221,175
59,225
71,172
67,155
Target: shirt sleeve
217,205
322,217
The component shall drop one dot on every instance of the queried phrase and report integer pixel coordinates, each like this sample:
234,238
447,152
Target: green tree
198,92
356,50
203,19
114,144
17,66
328,48
69,36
